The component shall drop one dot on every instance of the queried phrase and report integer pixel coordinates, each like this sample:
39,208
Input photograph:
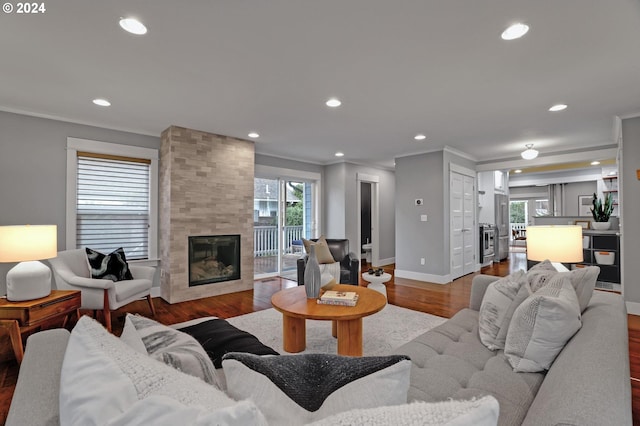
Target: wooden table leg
294,334
350,337
15,336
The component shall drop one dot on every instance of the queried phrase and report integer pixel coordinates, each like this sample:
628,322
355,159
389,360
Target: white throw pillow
173,347
102,378
542,325
298,389
500,300
476,412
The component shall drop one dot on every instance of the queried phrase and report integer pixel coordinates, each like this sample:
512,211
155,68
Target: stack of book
342,298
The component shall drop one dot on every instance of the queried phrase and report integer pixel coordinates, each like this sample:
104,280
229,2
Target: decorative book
342,298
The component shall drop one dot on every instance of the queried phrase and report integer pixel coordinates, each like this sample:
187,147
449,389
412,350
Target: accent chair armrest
142,272
354,269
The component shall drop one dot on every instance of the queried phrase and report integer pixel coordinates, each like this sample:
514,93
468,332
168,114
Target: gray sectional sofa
588,384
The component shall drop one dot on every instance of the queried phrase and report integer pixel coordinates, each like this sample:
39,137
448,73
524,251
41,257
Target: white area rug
382,332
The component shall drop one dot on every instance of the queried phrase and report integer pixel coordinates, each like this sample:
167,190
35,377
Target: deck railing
516,227
265,239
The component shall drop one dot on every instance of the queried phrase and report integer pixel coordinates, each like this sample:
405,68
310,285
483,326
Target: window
111,198
112,204
542,208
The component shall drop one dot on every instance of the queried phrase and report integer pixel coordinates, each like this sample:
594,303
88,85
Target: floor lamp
558,243
28,244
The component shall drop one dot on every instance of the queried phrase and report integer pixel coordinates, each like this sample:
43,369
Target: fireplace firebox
214,259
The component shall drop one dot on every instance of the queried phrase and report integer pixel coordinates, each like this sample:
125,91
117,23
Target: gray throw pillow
542,325
298,389
170,346
500,300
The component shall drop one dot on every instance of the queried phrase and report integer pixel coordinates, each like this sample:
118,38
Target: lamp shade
558,243
28,242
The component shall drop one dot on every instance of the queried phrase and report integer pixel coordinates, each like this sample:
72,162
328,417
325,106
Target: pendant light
529,153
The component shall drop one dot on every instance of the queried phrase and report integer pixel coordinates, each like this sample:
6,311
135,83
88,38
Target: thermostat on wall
419,201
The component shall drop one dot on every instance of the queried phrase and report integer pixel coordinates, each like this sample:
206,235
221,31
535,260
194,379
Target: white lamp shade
558,243
529,154
28,242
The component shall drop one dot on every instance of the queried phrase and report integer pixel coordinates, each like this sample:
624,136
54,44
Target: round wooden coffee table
347,320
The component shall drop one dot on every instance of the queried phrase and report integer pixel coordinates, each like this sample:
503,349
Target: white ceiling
400,67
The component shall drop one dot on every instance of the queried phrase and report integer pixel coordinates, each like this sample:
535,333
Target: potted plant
601,212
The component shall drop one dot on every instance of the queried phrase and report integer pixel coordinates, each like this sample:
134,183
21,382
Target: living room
190,78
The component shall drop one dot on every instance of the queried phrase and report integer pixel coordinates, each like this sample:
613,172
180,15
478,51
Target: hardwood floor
441,300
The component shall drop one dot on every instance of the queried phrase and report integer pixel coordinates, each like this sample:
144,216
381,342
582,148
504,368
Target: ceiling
400,68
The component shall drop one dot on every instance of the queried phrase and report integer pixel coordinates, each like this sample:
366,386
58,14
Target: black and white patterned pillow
173,347
298,389
112,266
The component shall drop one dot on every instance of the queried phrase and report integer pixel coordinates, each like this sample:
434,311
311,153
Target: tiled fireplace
206,190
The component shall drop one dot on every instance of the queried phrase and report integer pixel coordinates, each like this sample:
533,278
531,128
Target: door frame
374,180
455,168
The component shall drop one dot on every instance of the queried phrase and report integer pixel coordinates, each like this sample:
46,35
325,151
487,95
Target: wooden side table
22,317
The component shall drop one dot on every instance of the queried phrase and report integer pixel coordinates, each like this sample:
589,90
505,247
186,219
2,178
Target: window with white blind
111,198
112,204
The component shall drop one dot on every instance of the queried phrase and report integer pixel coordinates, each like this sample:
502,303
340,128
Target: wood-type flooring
441,300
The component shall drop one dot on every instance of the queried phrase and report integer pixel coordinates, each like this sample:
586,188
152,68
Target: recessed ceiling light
595,163
253,135
517,171
102,102
515,31
419,137
133,26
339,154
333,103
558,107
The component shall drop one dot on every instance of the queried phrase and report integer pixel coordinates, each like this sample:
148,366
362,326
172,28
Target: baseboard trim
418,276
388,261
633,308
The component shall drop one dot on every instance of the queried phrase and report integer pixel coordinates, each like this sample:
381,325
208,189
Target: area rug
382,332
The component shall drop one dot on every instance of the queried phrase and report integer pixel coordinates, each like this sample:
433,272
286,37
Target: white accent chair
71,272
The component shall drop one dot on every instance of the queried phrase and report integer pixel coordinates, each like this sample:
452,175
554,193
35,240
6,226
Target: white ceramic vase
600,226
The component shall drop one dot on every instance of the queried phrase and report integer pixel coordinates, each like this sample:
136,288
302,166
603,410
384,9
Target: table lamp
558,243
28,244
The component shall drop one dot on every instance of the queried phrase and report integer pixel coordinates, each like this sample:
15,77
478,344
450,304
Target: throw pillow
500,300
102,379
477,412
298,389
542,325
323,254
217,337
112,266
173,347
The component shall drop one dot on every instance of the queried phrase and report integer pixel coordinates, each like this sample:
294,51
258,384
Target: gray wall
571,193
283,163
630,208
335,203
420,176
33,169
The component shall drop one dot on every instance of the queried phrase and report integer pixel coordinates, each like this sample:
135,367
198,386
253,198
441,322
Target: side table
28,315
377,281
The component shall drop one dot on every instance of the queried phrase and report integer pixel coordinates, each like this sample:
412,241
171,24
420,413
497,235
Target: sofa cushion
477,412
498,304
583,280
112,266
450,361
542,325
323,254
297,389
171,346
102,379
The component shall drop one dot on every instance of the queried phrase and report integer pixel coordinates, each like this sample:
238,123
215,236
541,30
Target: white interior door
462,233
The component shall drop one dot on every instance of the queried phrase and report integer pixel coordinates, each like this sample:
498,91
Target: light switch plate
423,217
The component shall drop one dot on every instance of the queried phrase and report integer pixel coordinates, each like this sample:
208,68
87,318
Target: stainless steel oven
487,242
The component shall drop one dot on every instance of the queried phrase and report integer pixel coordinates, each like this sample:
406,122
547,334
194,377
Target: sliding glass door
284,214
